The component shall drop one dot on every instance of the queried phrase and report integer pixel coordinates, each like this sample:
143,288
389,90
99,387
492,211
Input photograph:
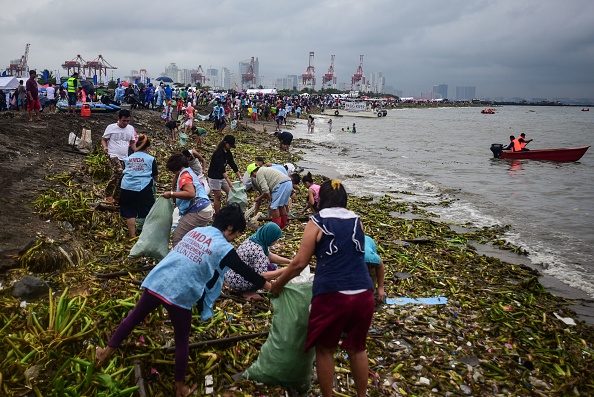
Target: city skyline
530,49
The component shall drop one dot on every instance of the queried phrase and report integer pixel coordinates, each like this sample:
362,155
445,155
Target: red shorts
334,314
33,105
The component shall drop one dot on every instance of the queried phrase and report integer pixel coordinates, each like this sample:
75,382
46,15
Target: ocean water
443,153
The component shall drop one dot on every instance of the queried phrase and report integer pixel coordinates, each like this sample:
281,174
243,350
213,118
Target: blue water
443,153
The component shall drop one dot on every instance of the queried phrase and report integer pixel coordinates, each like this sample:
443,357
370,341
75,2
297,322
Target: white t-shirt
118,140
50,92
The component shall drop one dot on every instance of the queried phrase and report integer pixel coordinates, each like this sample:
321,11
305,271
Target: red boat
559,154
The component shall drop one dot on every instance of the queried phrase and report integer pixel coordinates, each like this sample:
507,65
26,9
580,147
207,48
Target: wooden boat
557,154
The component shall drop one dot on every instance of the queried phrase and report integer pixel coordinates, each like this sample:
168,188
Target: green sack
182,138
154,238
282,360
238,195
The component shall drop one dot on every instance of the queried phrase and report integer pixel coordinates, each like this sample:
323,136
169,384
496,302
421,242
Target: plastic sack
238,195
282,360
204,183
154,238
73,140
183,137
86,143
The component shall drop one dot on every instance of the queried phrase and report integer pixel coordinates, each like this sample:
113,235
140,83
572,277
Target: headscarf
266,235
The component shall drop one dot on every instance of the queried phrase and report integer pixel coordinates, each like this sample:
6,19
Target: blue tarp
401,301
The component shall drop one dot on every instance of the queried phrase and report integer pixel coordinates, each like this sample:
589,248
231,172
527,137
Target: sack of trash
154,238
183,137
83,143
282,360
73,140
238,195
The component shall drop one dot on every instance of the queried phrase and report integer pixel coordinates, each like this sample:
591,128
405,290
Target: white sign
354,106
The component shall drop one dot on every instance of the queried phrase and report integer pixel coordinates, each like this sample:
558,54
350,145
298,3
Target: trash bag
238,195
183,137
73,140
282,360
154,238
86,143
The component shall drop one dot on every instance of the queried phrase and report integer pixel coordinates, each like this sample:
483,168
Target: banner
354,106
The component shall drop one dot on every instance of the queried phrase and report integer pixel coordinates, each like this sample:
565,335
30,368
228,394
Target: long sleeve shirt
268,178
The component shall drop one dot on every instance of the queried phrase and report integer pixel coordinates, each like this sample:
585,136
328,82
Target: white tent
8,83
265,91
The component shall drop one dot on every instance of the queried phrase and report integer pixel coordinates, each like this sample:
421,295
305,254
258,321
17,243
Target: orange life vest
517,145
522,142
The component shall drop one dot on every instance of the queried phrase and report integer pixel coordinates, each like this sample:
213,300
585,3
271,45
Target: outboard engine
497,148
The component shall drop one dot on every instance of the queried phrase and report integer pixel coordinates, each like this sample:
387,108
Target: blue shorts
281,194
72,99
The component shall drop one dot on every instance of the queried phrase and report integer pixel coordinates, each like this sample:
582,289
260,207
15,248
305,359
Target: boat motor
496,148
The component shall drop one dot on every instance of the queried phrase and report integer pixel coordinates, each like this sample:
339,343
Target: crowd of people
348,275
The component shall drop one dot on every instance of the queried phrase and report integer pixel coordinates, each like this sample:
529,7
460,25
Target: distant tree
112,84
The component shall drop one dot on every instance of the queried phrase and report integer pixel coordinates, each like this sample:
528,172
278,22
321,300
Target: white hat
290,168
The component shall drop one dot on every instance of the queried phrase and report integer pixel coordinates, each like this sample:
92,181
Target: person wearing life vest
510,146
73,88
523,142
517,145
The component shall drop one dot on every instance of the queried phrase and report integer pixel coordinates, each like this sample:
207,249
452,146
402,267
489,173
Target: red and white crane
308,78
329,79
358,79
249,78
18,67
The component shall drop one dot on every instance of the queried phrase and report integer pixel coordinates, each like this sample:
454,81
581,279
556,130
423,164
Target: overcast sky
512,48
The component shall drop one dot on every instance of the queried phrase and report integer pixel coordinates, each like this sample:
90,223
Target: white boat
355,109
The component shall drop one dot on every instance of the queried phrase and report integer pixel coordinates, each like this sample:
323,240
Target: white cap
290,168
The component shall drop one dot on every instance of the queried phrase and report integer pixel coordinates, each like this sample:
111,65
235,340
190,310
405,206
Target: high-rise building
244,66
171,72
291,82
440,91
226,79
184,76
212,78
377,82
467,93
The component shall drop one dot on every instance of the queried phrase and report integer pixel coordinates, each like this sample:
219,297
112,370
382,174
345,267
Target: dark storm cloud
505,48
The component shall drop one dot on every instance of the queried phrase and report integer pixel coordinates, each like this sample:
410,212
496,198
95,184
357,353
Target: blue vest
138,171
191,273
184,205
371,255
280,168
340,253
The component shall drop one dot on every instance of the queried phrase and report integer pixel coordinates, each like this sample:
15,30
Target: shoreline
583,304
497,316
